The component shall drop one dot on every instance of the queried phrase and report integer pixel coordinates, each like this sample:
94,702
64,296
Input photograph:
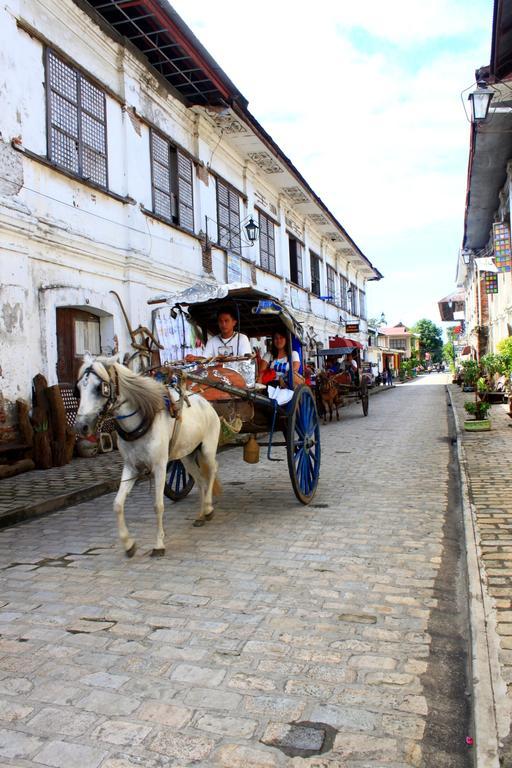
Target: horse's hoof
130,552
198,523
160,552
209,515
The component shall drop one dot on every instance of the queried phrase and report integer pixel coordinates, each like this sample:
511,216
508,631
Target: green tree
431,339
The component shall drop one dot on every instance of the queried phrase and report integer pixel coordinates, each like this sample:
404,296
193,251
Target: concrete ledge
484,652
40,508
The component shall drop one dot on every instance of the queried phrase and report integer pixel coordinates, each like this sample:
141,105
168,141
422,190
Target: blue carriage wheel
303,444
178,483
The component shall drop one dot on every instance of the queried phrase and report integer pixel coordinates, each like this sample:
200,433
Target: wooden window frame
87,122
362,303
267,242
228,217
353,300
343,293
299,265
316,282
331,283
172,181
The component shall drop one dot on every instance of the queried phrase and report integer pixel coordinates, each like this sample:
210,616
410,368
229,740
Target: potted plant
492,367
470,375
479,409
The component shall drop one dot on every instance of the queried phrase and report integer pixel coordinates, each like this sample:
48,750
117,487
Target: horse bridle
109,390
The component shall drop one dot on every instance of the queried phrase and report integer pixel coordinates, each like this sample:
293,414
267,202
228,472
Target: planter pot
477,425
492,397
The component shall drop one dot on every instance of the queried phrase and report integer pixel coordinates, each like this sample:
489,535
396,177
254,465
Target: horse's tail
203,466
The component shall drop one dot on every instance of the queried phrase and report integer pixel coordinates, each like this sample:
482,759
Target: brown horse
330,394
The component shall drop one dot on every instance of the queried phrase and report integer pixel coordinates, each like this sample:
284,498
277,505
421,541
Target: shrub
479,410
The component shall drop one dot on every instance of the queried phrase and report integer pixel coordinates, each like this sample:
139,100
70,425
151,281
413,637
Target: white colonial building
129,162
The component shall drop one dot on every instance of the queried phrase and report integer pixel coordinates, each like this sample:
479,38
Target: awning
450,305
337,342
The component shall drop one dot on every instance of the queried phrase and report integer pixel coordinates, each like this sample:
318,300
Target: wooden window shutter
300,274
160,176
185,191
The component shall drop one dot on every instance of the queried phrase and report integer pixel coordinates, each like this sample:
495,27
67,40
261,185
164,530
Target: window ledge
127,200
163,220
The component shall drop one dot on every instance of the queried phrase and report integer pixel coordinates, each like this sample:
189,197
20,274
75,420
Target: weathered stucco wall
65,244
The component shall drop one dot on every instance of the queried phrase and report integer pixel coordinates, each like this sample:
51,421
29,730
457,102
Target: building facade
484,266
129,166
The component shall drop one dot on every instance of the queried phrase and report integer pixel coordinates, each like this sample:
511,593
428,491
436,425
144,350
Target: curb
22,514
485,677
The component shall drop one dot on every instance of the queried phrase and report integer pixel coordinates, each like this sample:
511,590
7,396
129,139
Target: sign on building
352,328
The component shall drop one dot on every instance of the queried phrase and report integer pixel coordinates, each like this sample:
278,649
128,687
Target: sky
365,99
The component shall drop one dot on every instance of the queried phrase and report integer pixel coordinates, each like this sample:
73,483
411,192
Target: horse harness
110,391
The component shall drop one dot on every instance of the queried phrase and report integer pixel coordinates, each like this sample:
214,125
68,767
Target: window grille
331,283
228,217
77,130
171,182
315,273
267,243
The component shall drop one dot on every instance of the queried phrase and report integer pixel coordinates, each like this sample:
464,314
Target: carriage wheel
303,444
178,483
363,394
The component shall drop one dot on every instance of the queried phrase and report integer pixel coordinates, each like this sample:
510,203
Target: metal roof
170,46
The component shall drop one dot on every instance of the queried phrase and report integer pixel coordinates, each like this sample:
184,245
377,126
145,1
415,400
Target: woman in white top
278,361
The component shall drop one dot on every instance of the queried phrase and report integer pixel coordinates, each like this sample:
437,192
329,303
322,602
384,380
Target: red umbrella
340,341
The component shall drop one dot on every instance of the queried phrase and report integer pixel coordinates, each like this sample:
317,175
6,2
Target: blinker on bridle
108,389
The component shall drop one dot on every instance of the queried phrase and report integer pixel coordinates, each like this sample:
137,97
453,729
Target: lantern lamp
251,230
480,101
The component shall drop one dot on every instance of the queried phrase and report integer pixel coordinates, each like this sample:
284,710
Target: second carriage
333,387
249,416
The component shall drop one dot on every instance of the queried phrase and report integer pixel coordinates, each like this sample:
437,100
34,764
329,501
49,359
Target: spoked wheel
178,483
363,394
303,444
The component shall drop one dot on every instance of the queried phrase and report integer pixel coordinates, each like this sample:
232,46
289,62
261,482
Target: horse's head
96,392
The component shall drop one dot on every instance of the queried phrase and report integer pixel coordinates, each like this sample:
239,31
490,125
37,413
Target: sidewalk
35,493
486,472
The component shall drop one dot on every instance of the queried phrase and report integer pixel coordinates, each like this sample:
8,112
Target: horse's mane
146,394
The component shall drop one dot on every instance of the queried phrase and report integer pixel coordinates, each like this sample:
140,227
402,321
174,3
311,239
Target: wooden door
77,332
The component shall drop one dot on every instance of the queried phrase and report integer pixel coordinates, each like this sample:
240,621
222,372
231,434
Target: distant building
401,344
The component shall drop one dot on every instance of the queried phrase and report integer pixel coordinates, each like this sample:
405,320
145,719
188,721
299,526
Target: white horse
150,435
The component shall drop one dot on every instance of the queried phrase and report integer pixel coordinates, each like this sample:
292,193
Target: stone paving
277,635
489,468
22,491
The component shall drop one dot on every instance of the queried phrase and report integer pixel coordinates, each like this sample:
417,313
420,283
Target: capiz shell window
77,130
172,182
228,217
267,243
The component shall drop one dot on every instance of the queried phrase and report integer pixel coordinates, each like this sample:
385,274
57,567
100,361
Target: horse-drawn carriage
166,431
334,386
229,383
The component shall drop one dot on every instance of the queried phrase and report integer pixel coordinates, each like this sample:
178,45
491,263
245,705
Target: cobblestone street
332,635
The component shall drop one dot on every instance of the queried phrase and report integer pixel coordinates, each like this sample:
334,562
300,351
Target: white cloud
381,135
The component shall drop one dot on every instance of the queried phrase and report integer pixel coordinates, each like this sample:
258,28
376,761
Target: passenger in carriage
275,366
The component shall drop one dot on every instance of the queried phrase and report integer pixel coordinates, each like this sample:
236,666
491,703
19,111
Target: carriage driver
227,343
351,366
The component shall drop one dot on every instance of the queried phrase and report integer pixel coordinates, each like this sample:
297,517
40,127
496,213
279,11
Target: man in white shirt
228,343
